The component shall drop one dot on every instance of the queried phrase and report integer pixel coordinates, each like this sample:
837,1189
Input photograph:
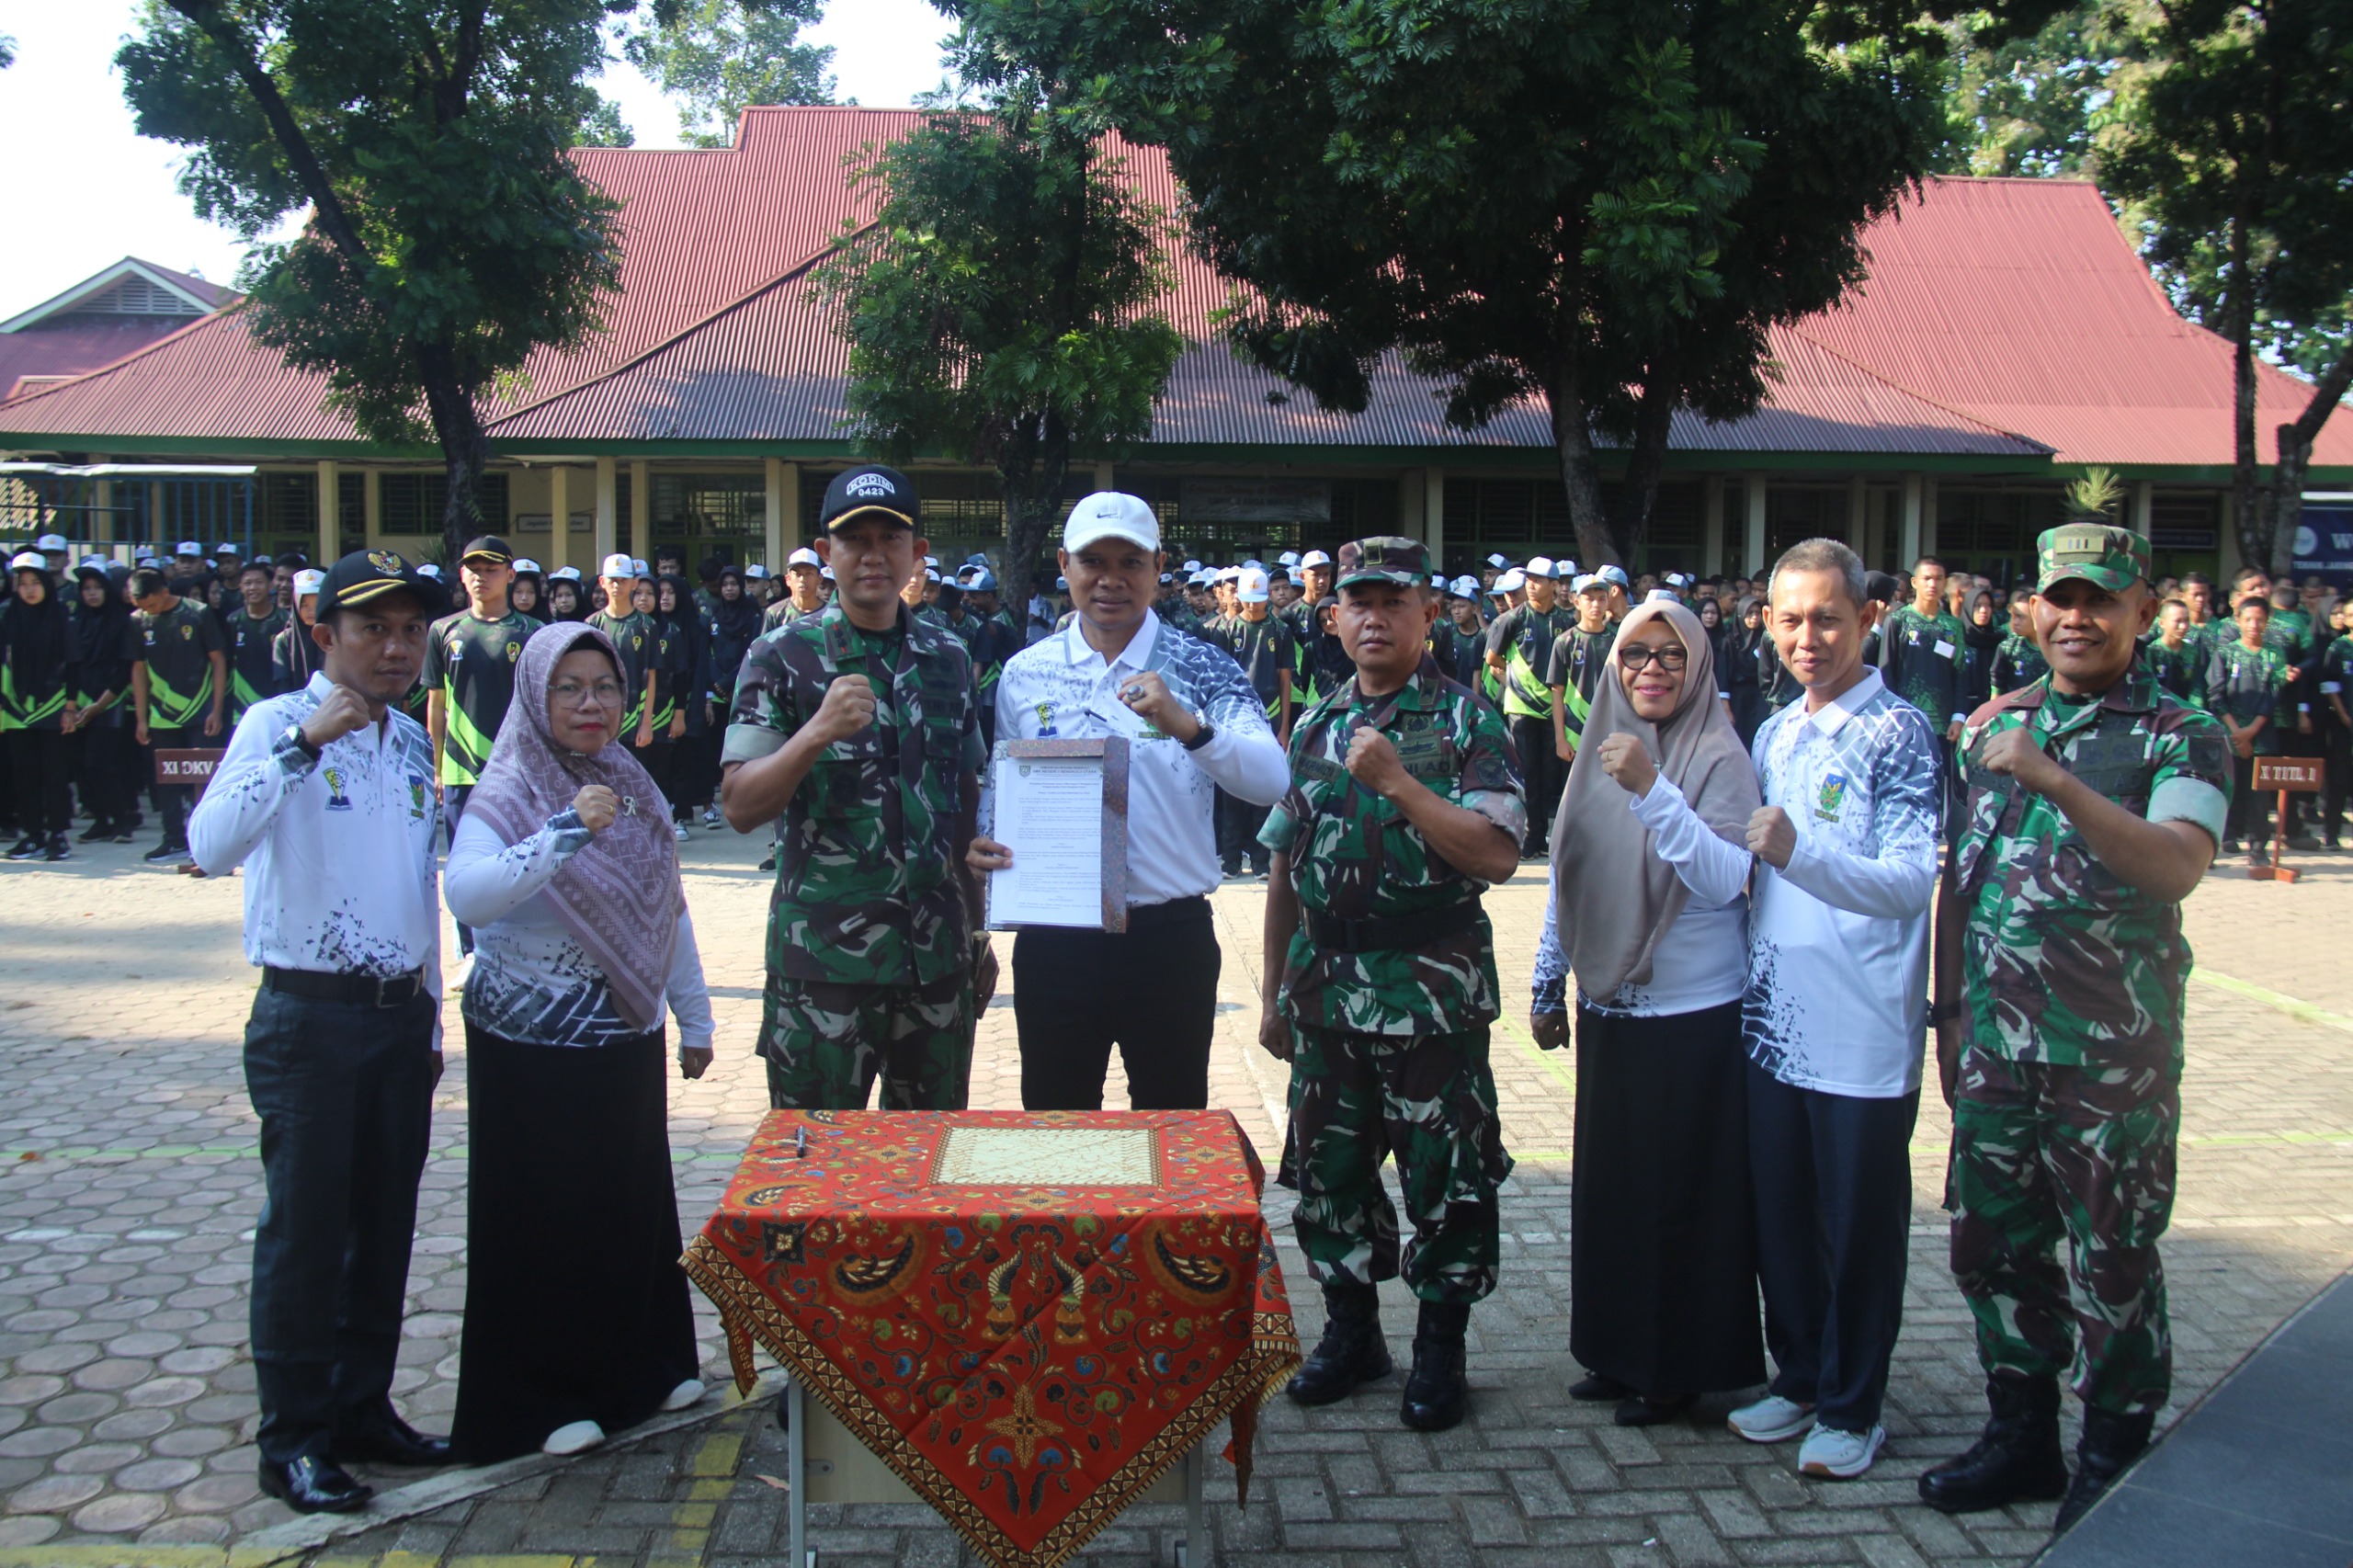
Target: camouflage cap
1387,559
2100,553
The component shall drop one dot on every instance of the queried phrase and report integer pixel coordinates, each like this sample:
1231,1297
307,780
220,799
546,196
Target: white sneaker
686,1394
710,817
573,1437
679,831
1771,1419
1832,1455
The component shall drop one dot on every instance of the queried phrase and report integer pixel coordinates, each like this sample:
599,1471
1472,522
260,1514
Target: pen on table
800,1142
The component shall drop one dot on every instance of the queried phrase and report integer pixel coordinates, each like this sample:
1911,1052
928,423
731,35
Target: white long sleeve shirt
532,980
1838,942
340,875
1060,688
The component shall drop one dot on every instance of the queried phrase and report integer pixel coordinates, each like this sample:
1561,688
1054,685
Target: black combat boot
2017,1460
1438,1392
2111,1442
1352,1351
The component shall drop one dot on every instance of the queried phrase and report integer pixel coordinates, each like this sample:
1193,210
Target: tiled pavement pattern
129,1189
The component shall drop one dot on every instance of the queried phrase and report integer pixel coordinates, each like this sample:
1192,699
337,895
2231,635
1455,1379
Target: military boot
1437,1391
2111,1442
1352,1351
2019,1459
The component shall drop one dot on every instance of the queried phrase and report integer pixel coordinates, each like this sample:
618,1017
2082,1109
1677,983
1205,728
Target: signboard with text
2325,542
191,767
2287,773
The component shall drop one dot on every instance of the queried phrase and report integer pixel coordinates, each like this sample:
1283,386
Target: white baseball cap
189,546
1288,558
48,542
1589,580
564,575
826,572
1540,566
617,567
931,573
1192,566
1500,562
804,556
1464,588
1295,578
99,562
526,565
755,572
1661,596
1514,579
638,567
224,547
33,560
1313,558
1108,514
308,581
426,569
1564,567
1250,587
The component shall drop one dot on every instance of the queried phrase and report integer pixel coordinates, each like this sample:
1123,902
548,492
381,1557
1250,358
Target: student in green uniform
632,635
2017,662
1262,645
1579,659
2175,659
2334,693
2094,804
2244,682
469,678
251,632
1519,646
1919,651
180,692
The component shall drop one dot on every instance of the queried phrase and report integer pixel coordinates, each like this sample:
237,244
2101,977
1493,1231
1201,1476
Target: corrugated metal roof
2003,317
74,349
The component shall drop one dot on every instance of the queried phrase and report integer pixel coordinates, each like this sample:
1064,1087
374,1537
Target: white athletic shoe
1832,1455
573,1437
687,1394
679,831
1771,1419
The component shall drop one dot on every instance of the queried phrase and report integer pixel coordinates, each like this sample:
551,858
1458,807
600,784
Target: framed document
1061,808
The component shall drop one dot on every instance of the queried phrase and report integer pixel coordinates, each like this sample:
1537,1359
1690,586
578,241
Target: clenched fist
342,712
597,807
1772,836
1625,760
2016,753
1373,761
847,709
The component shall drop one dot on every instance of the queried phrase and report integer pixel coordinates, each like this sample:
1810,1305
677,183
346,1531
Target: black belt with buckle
364,990
1334,933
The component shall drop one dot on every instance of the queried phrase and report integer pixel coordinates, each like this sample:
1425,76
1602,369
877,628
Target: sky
87,190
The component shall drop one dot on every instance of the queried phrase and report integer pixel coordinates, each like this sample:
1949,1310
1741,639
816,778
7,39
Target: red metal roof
74,349
1999,309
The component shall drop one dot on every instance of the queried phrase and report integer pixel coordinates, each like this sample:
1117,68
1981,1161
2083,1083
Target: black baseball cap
489,547
872,489
365,575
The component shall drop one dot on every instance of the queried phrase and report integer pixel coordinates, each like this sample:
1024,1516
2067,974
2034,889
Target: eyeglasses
1669,658
572,694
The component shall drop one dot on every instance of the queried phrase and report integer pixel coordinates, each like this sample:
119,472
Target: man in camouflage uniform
2094,802
1404,803
857,725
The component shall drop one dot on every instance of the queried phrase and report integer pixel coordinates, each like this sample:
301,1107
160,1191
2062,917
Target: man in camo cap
2095,802
1404,803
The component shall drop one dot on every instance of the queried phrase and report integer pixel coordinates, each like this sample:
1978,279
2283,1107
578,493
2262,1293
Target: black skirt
1663,1248
576,1308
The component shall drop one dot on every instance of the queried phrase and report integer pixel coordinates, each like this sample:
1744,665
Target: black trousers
1833,1179
171,799
95,756
1238,823
345,1094
1543,773
2250,814
1152,990
2337,746
44,802
2301,807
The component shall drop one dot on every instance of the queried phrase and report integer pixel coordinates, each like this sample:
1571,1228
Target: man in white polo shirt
1835,1013
1193,726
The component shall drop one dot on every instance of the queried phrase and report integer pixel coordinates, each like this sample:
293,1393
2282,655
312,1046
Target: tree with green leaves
1001,306
2231,155
1605,204
2026,102
720,57
448,233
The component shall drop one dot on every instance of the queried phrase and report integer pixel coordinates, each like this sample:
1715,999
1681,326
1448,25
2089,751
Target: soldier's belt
1336,933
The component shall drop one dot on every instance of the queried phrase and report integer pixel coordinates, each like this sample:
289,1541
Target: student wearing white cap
1194,726
57,551
293,654
1520,647
1264,647
804,589
632,635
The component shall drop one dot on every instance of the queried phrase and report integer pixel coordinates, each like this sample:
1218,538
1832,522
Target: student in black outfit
104,647
179,690
732,626
1261,644
2334,708
251,630
1982,631
686,648
36,653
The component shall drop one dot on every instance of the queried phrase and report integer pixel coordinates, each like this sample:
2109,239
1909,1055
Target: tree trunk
464,449
2254,526
1654,421
2295,439
1580,470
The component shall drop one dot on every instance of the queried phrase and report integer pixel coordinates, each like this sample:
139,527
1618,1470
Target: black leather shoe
390,1440
1352,1351
1437,1391
311,1486
2111,1442
2019,1459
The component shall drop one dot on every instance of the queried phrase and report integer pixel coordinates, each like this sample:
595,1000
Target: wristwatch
304,743
1201,736
1943,1012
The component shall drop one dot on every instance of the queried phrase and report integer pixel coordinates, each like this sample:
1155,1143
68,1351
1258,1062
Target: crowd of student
1749,796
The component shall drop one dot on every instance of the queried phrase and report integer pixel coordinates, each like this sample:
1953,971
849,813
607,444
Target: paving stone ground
129,1189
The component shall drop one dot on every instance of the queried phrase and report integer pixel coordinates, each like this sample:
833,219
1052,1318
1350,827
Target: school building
2009,337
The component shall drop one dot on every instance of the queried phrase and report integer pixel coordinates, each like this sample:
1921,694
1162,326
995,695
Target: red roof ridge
1798,330
61,382
787,276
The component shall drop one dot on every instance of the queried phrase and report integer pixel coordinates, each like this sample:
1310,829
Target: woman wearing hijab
563,597
36,707
734,627
527,589
105,645
1982,631
1648,910
565,868
1743,643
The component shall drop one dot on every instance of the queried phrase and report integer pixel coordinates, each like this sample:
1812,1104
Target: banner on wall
2325,542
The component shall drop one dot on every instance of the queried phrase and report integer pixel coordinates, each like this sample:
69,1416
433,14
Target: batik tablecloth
1028,1316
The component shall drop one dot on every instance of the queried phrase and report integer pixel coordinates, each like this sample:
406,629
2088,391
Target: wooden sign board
192,768
2288,773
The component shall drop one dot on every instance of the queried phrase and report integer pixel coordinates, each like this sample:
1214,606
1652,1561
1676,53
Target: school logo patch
514,651
337,800
1046,721
416,798
186,633
1833,796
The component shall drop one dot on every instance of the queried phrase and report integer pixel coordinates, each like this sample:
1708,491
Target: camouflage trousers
1430,1101
2043,1155
825,1043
